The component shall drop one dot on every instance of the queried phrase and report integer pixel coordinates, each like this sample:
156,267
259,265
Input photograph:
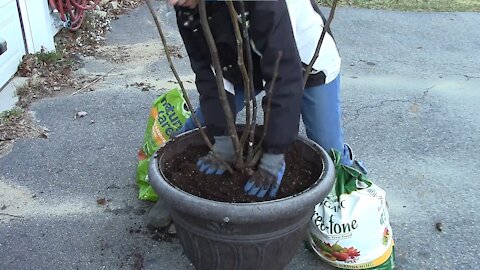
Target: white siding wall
11,31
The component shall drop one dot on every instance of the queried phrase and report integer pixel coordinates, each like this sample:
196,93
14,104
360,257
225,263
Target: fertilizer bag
350,228
168,114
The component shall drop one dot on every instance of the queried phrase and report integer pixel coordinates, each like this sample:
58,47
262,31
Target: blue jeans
321,114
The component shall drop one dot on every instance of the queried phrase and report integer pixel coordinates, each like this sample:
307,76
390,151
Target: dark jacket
270,31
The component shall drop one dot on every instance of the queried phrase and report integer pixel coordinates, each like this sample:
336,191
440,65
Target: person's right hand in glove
267,177
223,146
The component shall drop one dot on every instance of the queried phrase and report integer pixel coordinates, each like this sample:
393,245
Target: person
293,27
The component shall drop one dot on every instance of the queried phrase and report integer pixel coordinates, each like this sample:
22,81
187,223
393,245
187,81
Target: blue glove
348,159
223,146
267,177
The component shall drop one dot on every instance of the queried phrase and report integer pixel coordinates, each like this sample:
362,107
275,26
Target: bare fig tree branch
326,28
246,39
220,86
184,92
258,149
243,70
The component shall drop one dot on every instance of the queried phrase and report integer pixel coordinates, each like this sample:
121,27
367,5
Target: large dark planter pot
228,236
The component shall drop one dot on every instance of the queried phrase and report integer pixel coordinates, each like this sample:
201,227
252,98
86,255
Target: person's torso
307,26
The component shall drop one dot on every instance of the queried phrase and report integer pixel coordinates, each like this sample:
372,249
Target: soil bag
350,228
168,114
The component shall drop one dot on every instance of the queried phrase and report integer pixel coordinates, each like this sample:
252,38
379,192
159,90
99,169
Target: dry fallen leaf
102,201
79,114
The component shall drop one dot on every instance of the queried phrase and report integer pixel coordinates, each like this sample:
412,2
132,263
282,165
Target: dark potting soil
182,172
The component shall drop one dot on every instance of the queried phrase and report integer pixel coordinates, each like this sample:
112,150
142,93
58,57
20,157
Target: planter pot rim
242,212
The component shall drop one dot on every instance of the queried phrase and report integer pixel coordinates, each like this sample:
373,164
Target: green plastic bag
350,228
168,114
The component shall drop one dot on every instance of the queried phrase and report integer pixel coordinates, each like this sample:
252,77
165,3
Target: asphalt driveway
411,89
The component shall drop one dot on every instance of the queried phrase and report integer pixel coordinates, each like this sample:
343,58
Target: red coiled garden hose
72,11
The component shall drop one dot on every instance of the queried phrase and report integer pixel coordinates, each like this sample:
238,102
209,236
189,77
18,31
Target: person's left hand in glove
267,177
224,148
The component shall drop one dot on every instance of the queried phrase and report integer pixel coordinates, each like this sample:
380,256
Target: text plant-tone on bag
168,114
350,229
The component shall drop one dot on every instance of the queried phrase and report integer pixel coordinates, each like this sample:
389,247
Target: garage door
11,40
